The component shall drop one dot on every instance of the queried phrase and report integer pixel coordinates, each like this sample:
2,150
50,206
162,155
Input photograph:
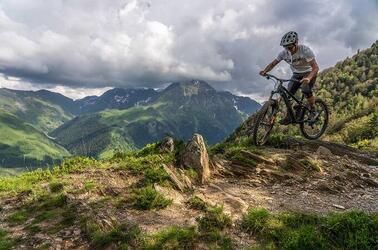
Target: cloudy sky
84,47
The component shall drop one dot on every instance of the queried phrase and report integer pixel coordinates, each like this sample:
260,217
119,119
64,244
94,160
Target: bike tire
325,123
259,119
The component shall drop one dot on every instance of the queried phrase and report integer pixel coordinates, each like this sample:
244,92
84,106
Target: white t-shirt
300,61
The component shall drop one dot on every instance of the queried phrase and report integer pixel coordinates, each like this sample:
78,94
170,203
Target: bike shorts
295,84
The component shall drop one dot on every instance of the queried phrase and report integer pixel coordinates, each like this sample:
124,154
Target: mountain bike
311,127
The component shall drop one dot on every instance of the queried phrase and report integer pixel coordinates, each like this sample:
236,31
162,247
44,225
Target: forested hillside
350,89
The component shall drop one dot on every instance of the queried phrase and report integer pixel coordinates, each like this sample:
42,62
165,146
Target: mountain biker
304,67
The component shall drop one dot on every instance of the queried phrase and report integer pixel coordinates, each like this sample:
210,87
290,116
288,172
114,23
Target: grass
18,217
214,219
197,203
123,236
232,150
173,238
293,230
89,185
148,198
50,207
191,173
56,187
5,242
23,144
30,180
189,237
148,166
243,143
235,155
311,164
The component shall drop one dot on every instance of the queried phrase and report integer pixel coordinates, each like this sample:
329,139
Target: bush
56,187
213,220
197,203
148,198
254,221
124,235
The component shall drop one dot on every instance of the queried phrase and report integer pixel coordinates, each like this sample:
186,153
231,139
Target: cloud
70,45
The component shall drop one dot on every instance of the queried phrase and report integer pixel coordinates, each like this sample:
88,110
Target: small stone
77,232
338,206
323,151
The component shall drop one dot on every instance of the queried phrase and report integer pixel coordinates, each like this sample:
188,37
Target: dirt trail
282,180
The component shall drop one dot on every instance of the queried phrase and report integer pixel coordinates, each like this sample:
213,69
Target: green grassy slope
22,145
28,106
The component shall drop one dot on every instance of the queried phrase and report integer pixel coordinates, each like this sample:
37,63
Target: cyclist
304,67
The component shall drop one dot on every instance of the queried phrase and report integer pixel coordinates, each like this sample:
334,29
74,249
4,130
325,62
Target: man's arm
269,67
313,72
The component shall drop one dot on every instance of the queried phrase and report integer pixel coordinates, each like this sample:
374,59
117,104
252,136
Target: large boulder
195,155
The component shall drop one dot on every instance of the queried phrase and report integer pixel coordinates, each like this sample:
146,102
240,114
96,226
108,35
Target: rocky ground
313,178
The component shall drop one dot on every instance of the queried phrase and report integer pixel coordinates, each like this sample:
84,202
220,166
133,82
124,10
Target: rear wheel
264,122
314,129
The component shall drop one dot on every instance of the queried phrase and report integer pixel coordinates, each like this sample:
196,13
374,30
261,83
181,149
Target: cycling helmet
289,38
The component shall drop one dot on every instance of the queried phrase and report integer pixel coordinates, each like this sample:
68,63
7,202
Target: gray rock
323,151
195,155
167,145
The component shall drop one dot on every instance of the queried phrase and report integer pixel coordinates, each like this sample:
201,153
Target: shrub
213,220
148,198
255,220
124,235
56,187
197,203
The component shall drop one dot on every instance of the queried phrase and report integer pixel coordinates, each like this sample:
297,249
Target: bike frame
286,95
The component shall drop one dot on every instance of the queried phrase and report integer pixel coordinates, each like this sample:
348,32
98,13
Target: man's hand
305,81
263,72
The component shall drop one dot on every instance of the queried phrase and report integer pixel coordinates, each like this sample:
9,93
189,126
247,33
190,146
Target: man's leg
311,101
307,91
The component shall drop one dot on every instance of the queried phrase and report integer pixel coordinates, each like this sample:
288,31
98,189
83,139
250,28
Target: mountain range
118,120
179,110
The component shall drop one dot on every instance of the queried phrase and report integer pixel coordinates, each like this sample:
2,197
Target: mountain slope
116,98
351,90
22,145
180,110
42,109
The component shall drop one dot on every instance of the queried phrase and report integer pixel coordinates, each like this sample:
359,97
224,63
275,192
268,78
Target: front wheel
313,129
264,122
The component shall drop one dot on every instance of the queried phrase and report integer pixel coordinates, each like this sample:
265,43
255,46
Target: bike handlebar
268,76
